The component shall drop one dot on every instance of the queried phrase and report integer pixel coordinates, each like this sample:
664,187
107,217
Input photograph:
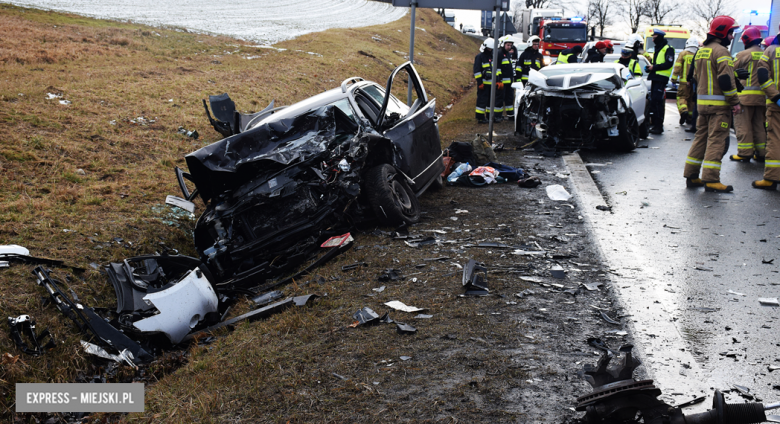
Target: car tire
392,200
628,132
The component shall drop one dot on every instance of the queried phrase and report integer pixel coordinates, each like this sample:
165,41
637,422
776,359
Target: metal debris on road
608,319
557,272
475,279
405,328
592,286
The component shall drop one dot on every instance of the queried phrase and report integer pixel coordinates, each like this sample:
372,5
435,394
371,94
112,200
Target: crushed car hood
566,82
220,166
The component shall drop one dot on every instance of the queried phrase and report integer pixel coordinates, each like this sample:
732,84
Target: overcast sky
620,31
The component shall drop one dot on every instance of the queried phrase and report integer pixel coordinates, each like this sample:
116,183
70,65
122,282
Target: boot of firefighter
694,182
683,117
765,184
718,187
738,158
758,158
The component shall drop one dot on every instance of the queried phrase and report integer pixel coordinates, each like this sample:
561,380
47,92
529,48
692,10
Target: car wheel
392,200
628,132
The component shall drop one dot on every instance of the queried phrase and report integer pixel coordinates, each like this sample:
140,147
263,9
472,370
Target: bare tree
659,10
634,10
599,15
706,11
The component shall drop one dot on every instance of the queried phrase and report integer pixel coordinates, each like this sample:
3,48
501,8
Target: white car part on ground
182,306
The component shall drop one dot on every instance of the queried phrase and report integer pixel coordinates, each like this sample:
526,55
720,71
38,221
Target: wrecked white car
582,106
285,179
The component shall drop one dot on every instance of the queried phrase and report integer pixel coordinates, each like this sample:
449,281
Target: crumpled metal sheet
182,306
213,168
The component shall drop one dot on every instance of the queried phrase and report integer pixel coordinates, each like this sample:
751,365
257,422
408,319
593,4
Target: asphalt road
690,266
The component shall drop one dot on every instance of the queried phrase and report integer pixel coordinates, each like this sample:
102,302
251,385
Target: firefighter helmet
692,42
721,26
487,44
506,39
751,34
533,39
768,40
633,38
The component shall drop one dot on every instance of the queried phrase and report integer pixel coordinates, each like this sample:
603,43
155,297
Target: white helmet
487,44
633,38
506,39
692,42
533,38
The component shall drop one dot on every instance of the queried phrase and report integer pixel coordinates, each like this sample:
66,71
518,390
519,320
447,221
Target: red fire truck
558,34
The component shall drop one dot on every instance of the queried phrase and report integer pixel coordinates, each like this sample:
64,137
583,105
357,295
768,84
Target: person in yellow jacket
716,91
680,77
749,125
768,67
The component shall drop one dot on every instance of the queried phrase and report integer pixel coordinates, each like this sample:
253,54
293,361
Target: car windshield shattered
284,180
574,106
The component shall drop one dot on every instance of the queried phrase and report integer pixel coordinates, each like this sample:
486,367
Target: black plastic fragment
267,298
90,322
390,274
350,267
608,319
405,328
23,327
475,279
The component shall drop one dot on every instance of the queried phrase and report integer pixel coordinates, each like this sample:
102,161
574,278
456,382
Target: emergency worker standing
659,70
749,125
507,100
768,66
628,62
680,77
529,59
569,55
716,100
483,73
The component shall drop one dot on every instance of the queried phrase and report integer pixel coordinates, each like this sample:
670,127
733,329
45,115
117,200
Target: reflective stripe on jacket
770,60
751,95
713,61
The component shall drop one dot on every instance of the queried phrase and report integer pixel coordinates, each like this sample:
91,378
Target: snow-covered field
263,21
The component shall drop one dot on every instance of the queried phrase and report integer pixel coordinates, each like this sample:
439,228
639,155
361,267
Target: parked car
469,29
285,179
583,105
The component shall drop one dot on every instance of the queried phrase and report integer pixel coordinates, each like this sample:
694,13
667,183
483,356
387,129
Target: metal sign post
497,10
411,52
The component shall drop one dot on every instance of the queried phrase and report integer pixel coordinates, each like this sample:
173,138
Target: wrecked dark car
285,179
582,106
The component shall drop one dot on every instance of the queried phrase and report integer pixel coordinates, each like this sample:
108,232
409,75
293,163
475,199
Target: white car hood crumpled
565,82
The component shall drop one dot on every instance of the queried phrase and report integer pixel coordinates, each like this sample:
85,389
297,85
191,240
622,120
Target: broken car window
344,106
393,106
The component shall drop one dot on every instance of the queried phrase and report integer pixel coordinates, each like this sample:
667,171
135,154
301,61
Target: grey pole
497,9
411,53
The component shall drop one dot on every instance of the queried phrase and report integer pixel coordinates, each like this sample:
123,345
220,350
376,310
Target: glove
740,87
742,74
500,85
482,86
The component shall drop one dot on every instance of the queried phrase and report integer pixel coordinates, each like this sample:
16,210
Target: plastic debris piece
524,293
475,279
405,328
592,286
379,289
390,275
608,319
743,391
736,293
457,211
338,241
365,316
532,279
618,332
423,316
768,262
93,349
23,327
604,208
557,192
65,102
180,203
422,242
774,368
557,271
353,266
400,306
267,298
406,358
491,244
443,258
341,377
13,249
769,301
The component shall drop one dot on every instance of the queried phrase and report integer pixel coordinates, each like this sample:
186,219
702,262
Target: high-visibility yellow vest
662,59
633,66
564,58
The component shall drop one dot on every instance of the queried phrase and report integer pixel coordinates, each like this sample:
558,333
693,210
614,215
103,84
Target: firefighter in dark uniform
529,59
716,89
483,73
507,74
659,72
